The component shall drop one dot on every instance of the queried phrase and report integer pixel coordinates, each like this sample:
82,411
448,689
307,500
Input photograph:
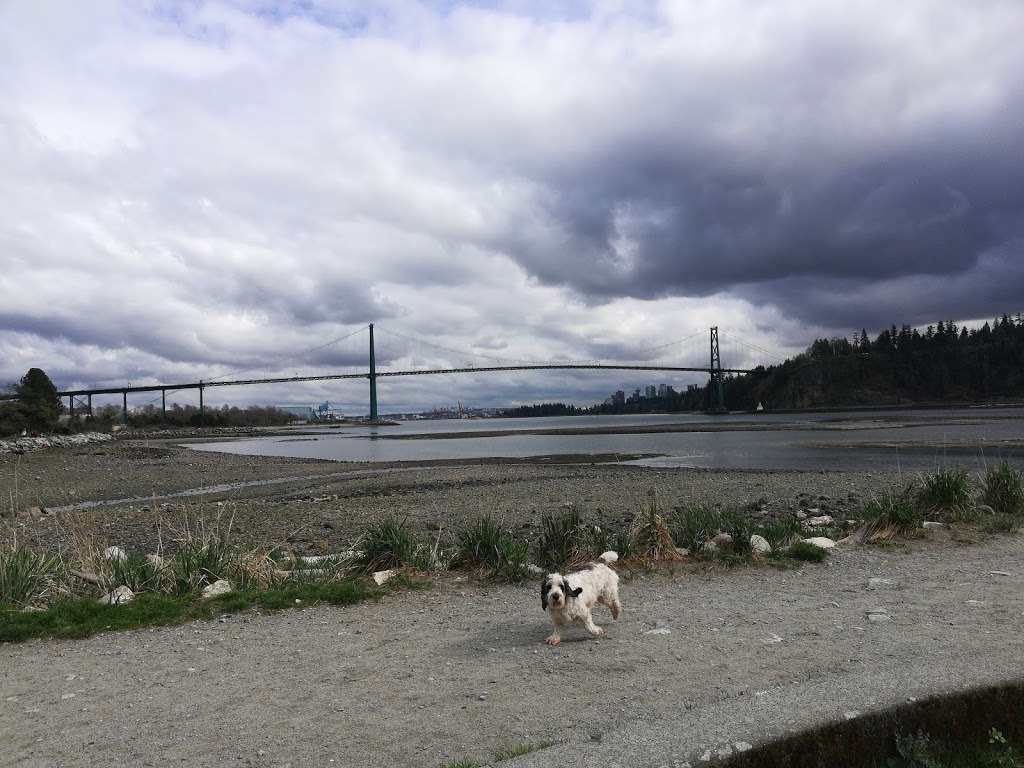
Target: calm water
970,438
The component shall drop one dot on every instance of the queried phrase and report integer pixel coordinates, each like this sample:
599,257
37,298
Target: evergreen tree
38,400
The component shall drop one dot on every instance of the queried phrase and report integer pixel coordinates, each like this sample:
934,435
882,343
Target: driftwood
92,578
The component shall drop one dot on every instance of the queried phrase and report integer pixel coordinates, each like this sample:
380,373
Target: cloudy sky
196,188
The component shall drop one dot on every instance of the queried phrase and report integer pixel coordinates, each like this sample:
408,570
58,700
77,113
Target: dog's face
556,592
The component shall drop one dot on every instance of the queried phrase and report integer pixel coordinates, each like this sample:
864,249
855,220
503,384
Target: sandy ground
705,660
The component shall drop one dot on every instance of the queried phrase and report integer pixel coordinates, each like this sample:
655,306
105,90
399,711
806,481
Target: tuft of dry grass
651,536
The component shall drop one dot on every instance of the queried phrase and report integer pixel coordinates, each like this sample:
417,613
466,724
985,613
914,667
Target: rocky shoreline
140,494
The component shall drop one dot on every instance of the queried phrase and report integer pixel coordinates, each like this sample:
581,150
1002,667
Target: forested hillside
901,366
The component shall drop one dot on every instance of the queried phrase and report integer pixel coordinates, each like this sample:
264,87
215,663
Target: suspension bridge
433,359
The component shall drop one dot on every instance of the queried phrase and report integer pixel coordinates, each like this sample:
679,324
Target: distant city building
651,391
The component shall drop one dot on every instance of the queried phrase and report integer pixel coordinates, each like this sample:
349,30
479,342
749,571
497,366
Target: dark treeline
176,415
901,366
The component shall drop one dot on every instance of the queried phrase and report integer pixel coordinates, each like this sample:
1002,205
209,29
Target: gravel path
704,658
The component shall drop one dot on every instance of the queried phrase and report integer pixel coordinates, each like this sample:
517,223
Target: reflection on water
877,440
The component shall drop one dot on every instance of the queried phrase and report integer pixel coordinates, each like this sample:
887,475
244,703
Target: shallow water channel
865,440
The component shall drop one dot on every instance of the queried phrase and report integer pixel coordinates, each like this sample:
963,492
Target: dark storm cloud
702,222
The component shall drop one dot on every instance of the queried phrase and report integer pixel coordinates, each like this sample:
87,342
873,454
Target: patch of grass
919,751
486,546
387,544
781,533
736,525
26,576
694,525
805,552
999,523
890,515
652,536
137,572
946,495
83,617
522,749
564,541
200,563
1002,490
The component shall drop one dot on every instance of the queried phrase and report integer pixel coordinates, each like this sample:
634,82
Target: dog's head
556,592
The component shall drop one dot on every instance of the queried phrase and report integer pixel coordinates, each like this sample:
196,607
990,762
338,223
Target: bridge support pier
716,396
373,379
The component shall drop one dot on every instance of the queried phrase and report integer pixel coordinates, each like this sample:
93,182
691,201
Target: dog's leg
556,633
612,601
592,628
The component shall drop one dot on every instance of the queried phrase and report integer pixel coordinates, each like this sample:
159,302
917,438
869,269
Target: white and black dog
571,598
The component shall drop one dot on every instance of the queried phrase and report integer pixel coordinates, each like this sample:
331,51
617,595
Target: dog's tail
608,557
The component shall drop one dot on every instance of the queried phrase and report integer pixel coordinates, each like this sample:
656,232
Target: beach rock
120,595
821,541
760,544
219,587
115,554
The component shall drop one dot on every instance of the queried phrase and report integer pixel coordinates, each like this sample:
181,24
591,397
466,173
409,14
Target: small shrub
387,544
809,553
565,541
946,495
890,515
1001,490
739,529
694,525
26,576
137,572
200,563
485,546
651,535
781,533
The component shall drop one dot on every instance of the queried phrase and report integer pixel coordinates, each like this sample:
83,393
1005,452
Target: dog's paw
597,631
553,640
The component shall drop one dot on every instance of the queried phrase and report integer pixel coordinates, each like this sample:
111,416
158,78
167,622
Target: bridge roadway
334,376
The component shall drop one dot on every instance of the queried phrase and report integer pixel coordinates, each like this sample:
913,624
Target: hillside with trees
903,366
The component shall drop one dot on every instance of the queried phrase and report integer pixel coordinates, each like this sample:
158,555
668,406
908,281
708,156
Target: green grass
26,576
946,495
486,546
891,515
1002,490
919,751
781,533
805,552
694,525
387,544
564,541
83,617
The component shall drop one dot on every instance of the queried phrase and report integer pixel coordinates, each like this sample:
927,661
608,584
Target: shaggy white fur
571,598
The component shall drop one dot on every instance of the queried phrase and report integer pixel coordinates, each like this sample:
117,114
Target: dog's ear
545,587
574,592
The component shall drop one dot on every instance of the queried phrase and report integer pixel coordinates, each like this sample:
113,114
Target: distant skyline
196,188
